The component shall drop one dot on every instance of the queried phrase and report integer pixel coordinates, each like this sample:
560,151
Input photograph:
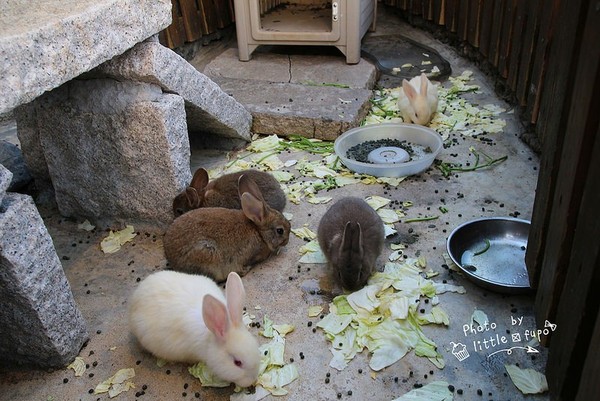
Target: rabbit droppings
351,235
186,318
418,100
223,191
216,241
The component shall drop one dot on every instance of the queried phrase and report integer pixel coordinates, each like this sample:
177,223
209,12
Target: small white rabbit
418,100
182,317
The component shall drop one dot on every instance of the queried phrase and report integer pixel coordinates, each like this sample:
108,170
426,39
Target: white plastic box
341,23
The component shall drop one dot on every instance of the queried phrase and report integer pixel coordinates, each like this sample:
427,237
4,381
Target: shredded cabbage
434,391
383,317
528,381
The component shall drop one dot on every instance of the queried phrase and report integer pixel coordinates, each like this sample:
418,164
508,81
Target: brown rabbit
351,235
223,191
215,241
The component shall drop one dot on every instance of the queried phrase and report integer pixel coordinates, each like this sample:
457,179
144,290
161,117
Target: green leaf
528,381
434,391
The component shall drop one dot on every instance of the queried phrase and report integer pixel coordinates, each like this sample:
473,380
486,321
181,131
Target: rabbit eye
280,231
238,363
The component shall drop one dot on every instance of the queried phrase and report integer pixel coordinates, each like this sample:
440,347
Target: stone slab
5,180
33,154
40,324
117,152
208,108
294,68
53,41
320,112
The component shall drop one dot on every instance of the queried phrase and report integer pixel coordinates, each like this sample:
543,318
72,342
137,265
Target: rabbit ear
253,208
247,184
215,317
192,197
409,90
424,84
352,238
200,179
235,293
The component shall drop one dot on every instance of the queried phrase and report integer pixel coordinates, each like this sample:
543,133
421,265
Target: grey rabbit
351,235
223,191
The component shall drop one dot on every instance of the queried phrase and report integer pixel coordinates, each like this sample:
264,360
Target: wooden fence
193,19
510,37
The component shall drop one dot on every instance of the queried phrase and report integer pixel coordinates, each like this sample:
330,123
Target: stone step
313,95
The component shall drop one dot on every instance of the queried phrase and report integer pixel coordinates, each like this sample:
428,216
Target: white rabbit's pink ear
409,90
253,208
235,293
200,179
247,184
424,84
215,316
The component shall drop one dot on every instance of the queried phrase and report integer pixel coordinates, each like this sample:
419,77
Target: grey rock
208,108
40,324
12,158
5,180
117,152
33,154
55,40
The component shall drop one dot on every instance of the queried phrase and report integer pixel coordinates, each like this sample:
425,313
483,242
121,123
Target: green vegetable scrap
434,391
208,379
384,317
113,242
273,372
117,383
479,317
78,366
449,168
485,249
418,219
309,145
528,381
333,84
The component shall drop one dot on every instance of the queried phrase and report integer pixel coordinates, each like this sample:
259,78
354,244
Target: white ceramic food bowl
412,133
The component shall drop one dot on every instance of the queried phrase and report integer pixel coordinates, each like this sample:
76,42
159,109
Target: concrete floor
102,283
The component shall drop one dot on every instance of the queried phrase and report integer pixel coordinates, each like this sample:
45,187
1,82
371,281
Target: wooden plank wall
510,36
193,19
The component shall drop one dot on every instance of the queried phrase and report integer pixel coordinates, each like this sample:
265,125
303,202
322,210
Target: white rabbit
418,100
182,317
